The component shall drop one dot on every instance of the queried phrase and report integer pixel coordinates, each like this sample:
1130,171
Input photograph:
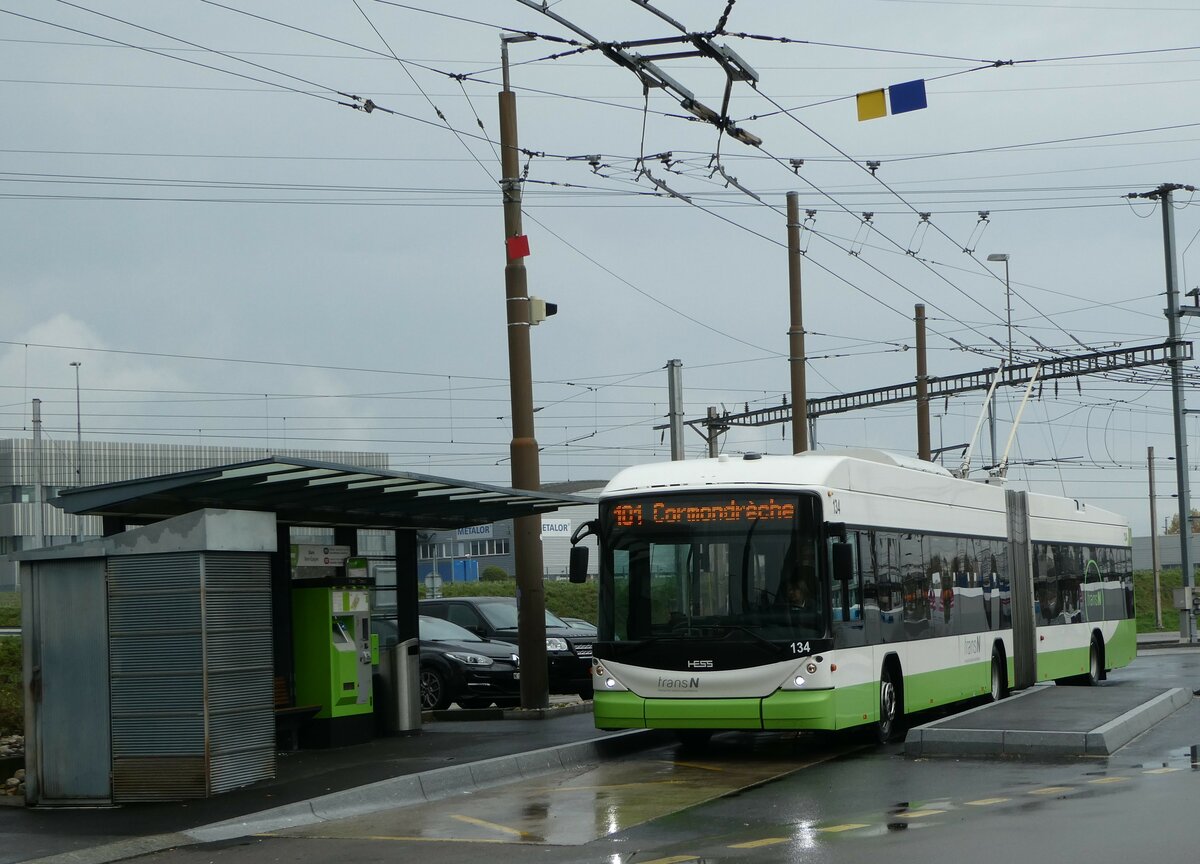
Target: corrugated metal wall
240,667
191,666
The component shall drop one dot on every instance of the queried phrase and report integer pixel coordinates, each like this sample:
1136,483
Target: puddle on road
576,807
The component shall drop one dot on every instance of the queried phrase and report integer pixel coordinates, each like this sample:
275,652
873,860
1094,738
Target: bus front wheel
888,727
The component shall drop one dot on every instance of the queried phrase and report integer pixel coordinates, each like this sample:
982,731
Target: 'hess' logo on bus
699,664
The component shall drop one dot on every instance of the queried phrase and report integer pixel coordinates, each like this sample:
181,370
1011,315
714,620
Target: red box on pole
518,246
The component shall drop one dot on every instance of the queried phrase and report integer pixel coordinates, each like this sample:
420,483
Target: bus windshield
739,566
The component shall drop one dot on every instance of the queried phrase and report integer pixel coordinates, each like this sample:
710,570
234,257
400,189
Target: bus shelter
194,610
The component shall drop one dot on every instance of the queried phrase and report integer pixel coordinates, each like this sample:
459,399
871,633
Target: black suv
568,650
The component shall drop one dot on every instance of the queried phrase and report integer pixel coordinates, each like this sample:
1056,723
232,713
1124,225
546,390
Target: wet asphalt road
768,798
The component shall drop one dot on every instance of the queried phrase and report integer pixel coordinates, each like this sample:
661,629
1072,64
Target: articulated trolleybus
828,590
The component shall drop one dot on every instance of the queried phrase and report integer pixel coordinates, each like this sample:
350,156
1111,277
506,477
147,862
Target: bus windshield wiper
730,628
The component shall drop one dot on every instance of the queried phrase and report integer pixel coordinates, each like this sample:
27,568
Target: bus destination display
632,514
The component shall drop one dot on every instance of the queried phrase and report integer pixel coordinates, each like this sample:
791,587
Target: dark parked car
568,651
581,624
458,666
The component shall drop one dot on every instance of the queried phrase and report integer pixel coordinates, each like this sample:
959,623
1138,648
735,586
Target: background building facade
65,465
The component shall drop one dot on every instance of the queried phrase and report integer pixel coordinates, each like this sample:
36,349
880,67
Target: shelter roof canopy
320,494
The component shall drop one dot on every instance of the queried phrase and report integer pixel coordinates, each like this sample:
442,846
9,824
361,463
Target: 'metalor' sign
556,528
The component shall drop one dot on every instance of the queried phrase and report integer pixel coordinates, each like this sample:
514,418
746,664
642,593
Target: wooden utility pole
527,530
796,357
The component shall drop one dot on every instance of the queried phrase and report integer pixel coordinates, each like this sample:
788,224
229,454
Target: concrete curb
930,740
1112,736
467,715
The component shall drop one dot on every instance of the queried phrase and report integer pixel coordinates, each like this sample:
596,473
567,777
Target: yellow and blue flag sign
909,96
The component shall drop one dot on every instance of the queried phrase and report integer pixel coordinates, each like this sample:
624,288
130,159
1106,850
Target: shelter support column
281,600
406,584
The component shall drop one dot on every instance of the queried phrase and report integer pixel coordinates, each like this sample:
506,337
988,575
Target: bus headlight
602,679
799,681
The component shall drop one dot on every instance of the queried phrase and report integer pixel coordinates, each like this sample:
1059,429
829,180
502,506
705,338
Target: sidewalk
422,764
1162,639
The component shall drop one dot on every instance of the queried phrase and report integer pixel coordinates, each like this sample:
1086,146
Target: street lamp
1003,256
78,430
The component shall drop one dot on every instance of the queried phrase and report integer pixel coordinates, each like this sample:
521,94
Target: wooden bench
289,717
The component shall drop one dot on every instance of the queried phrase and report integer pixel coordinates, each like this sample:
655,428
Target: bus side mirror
843,562
579,564
578,569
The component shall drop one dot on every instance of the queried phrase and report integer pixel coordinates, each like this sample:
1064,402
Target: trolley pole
796,356
527,542
923,449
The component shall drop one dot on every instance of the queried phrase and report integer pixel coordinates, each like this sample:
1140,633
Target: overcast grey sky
237,258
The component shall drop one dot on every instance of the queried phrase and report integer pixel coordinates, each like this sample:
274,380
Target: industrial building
465,553
26,522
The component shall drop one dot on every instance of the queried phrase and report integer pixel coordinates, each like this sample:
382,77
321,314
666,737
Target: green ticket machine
334,652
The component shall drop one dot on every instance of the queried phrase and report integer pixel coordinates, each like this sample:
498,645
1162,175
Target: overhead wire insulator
918,236
977,232
806,230
860,236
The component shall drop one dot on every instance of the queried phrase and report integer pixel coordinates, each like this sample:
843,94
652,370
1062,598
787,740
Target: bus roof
803,470
868,471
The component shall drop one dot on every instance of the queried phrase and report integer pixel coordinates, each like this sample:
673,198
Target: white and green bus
831,590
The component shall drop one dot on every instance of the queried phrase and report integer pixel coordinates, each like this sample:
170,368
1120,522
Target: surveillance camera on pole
540,310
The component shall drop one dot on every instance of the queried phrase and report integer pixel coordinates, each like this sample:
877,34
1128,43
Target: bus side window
848,599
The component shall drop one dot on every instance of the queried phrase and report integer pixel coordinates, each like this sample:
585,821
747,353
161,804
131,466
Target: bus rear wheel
1095,673
999,688
1095,668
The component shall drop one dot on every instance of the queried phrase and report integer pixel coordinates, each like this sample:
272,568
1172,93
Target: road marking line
556,790
389,837
697,765
850,826
918,814
755,844
1162,770
1051,790
503,829
1109,780
986,802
